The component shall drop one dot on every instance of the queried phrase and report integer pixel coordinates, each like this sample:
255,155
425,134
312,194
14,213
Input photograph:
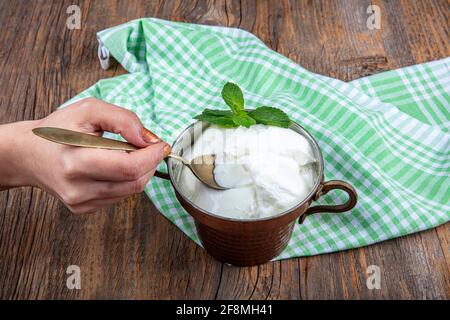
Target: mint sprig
222,118
243,119
270,116
234,98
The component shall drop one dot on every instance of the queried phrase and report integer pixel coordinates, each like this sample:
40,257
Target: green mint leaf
233,97
217,113
224,122
270,116
243,119
221,118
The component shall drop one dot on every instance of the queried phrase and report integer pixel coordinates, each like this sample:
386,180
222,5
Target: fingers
91,178
107,117
94,205
149,136
88,190
109,165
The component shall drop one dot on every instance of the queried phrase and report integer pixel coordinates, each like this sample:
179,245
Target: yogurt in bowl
267,169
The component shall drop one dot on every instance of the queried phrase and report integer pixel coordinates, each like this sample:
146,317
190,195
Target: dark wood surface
130,250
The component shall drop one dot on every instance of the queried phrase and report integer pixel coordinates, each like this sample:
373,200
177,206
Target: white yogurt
268,170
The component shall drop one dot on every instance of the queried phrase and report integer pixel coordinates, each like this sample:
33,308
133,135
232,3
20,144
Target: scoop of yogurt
267,170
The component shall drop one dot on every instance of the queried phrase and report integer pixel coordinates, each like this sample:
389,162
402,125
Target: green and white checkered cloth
387,134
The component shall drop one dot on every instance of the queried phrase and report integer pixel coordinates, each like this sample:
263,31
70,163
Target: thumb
111,118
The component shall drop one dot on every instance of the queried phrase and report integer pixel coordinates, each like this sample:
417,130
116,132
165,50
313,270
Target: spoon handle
176,157
80,139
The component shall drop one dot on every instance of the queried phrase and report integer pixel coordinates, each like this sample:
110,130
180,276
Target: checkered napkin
387,134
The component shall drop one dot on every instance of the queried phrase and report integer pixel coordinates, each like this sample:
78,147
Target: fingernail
167,150
149,136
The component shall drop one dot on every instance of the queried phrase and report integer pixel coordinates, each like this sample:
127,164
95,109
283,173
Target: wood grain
131,251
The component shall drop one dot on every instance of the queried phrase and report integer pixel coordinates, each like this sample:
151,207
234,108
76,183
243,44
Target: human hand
84,179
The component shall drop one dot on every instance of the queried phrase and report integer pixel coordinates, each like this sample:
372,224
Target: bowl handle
163,175
326,187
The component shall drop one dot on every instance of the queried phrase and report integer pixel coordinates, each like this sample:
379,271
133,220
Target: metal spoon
202,166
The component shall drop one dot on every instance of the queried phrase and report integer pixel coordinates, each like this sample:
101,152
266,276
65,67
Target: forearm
13,154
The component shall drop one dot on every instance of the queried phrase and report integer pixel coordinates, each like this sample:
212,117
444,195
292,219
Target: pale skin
85,179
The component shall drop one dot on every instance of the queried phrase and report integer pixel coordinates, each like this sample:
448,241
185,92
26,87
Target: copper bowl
247,242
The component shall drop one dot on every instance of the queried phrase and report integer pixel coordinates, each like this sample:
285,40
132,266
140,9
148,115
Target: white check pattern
387,134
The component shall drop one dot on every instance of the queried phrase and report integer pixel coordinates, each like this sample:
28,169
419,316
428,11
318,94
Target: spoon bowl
203,168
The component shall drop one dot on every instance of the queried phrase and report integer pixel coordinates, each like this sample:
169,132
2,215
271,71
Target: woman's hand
84,179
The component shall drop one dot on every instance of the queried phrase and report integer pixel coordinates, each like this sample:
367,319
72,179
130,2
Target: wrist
15,154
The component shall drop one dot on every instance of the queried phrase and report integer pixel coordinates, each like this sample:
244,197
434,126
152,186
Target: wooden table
130,250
